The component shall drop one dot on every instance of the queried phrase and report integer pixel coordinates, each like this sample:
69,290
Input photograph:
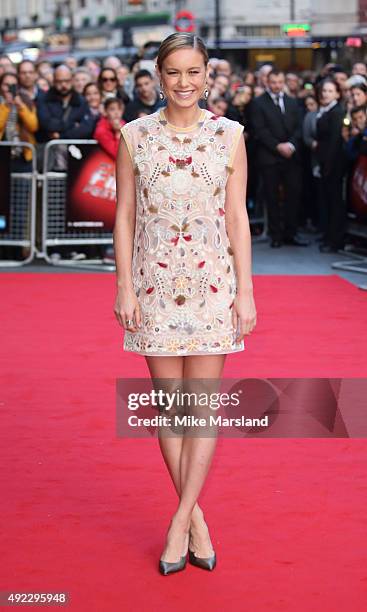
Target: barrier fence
49,207
54,223
57,233
18,208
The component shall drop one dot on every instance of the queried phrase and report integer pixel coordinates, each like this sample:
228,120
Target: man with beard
62,112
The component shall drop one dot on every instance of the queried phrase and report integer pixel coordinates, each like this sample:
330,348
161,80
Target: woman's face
250,79
93,96
109,80
246,94
242,96
329,93
358,96
183,77
8,80
221,84
43,84
258,91
80,79
311,105
219,108
122,73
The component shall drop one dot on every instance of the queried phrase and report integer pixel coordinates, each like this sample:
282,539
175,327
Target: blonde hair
181,40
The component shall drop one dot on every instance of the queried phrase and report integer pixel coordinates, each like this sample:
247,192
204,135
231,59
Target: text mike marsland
192,421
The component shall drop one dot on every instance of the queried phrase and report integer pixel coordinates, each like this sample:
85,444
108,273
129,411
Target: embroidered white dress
183,267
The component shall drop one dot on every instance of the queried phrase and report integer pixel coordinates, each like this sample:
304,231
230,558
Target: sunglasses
105,79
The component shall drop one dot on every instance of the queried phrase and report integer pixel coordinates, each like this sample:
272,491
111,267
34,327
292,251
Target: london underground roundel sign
184,21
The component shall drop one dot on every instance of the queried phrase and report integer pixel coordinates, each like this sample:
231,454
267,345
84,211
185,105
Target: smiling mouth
184,94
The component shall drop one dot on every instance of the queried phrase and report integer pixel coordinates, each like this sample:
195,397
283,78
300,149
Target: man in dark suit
277,127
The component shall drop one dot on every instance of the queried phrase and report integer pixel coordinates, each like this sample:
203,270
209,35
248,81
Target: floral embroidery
182,259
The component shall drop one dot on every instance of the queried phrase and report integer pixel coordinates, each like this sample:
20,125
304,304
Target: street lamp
293,42
217,30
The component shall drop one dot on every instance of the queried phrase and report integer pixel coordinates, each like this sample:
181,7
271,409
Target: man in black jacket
277,126
62,112
146,97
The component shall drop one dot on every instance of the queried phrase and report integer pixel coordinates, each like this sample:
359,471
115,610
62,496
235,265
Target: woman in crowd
329,150
18,121
45,70
109,86
358,94
249,78
218,105
93,66
242,101
43,84
94,98
81,78
311,169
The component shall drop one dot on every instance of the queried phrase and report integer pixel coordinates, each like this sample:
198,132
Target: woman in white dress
183,263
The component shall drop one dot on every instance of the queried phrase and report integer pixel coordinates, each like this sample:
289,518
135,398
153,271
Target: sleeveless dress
182,267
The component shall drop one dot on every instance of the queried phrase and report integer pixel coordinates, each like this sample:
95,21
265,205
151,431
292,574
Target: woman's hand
127,308
18,102
8,97
243,314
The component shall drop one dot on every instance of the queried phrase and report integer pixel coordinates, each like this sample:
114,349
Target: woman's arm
238,230
28,117
4,115
123,232
123,238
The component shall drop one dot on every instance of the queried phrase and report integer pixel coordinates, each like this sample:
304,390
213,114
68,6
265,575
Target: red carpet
86,512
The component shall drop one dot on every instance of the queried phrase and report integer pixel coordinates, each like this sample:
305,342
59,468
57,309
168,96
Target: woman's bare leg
171,446
197,453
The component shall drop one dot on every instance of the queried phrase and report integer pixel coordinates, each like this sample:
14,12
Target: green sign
288,27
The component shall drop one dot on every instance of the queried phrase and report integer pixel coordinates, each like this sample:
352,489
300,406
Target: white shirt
325,109
280,97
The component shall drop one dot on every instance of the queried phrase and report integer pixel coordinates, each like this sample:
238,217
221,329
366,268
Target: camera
13,89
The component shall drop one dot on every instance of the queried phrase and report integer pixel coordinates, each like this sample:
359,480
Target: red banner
358,188
91,190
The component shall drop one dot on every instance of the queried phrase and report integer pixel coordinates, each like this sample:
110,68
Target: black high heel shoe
207,563
170,567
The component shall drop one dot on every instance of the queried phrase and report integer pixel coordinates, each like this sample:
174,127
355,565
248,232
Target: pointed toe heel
166,567
207,563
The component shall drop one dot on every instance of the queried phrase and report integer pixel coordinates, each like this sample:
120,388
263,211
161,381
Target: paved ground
285,260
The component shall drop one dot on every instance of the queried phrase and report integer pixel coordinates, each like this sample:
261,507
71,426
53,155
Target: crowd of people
303,131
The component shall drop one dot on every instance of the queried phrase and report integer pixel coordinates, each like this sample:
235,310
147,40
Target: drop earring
206,93
161,94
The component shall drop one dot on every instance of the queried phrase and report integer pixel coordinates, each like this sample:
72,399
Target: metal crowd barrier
54,214
358,261
22,213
